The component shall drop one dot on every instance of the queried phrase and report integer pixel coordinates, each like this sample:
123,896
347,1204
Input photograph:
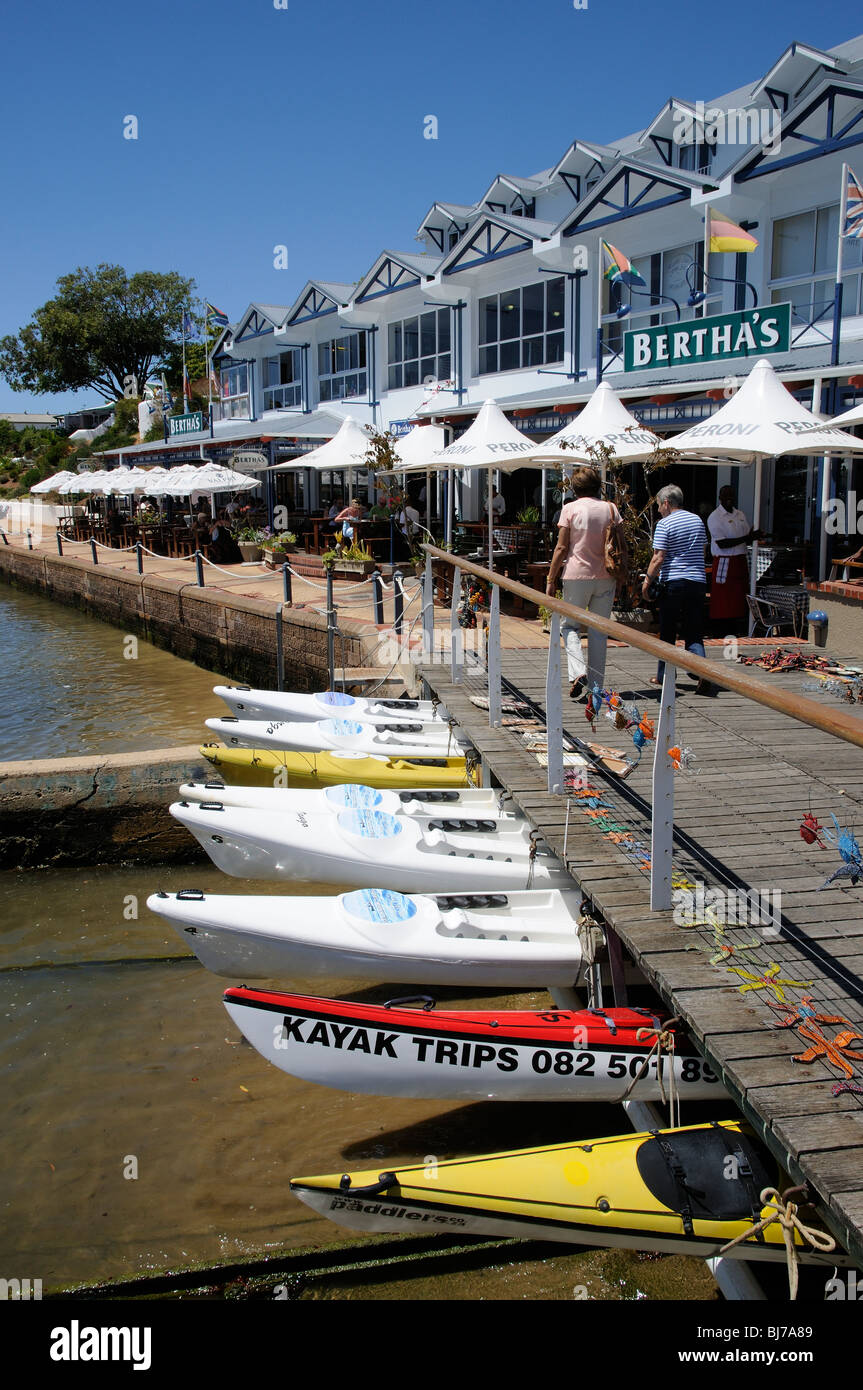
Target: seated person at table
355,511
223,548
338,504
201,532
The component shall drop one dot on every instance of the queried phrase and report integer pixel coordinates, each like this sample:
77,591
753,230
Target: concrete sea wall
108,810
219,631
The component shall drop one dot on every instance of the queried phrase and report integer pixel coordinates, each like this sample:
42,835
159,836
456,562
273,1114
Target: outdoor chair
772,616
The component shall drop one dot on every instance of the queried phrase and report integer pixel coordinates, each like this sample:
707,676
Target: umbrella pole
488,513
756,518
544,512
450,505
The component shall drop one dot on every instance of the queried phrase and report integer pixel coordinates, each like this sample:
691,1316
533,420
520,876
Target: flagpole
185,397
837,299
704,276
599,312
209,370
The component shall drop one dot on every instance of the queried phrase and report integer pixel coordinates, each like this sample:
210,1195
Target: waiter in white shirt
730,533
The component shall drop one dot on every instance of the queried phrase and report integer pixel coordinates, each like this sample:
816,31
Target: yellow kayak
685,1191
268,767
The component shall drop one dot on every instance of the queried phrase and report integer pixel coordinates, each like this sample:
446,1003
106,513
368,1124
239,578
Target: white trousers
597,596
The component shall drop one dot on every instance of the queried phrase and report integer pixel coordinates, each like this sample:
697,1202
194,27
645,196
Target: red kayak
402,1048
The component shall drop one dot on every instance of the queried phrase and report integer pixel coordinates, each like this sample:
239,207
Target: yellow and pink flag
725,235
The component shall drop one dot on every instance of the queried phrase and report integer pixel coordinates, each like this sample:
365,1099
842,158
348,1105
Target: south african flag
618,268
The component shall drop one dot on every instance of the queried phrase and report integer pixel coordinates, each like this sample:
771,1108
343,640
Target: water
67,688
115,1047
116,1053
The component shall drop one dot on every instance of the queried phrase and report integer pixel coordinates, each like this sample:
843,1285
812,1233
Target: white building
503,296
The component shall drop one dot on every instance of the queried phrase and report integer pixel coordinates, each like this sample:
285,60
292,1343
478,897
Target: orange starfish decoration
646,727
836,1050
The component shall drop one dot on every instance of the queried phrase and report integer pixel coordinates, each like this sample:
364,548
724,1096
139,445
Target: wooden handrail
831,721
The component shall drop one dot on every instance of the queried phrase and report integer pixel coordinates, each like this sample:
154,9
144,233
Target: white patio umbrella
211,478
54,483
490,443
417,447
604,420
84,482
761,420
345,451
854,416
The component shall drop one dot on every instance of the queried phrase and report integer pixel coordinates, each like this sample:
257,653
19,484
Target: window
803,266
342,367
283,384
522,328
235,392
418,349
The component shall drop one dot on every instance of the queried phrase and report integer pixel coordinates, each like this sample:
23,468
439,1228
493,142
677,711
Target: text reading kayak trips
347,1037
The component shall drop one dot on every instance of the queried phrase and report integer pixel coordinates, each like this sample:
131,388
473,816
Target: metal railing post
662,811
287,591
554,709
29,540
199,568
5,537
139,556
494,696
398,602
378,592
280,650
456,638
59,544
93,552
331,632
428,611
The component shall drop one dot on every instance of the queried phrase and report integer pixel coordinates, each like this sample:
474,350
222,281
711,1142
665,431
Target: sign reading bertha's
709,340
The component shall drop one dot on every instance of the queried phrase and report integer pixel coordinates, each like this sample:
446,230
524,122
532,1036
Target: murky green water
115,1059
141,1131
71,685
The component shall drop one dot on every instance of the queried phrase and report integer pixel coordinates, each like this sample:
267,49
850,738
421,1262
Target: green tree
102,326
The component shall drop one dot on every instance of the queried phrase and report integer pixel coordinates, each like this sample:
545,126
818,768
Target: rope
785,1213
664,1040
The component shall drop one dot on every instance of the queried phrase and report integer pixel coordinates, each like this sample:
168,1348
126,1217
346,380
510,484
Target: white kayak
371,849
427,803
247,703
393,740
516,940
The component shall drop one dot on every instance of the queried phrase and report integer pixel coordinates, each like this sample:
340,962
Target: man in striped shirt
679,543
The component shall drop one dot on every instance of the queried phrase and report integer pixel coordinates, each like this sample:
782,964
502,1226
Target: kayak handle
384,1181
424,999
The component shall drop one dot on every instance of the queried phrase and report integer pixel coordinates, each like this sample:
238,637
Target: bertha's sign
715,339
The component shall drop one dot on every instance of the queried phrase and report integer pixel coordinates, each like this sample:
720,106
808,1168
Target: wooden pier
737,817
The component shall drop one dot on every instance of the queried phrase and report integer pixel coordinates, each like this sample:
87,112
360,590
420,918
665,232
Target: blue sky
303,127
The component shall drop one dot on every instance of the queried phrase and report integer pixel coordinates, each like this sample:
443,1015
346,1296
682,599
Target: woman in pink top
580,554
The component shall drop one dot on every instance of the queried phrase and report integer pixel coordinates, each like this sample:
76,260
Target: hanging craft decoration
622,716
849,852
682,758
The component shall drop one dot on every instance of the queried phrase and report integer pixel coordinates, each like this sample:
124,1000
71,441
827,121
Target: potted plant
277,546
348,559
249,539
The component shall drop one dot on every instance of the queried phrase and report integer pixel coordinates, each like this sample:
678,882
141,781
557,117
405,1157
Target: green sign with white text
717,339
187,424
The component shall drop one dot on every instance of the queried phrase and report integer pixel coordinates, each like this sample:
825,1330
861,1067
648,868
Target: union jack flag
853,206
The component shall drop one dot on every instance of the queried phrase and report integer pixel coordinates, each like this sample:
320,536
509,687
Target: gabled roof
521,187
827,119
396,270
258,320
792,70
493,236
316,298
642,188
580,161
